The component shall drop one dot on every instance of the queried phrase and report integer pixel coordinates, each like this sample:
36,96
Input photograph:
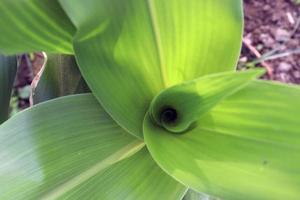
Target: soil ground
272,30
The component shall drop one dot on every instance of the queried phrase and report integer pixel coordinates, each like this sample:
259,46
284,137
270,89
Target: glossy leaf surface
56,146
8,69
247,147
130,50
34,25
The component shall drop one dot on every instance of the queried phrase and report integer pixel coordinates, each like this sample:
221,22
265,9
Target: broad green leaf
130,50
246,147
178,107
8,69
34,25
59,77
56,146
137,177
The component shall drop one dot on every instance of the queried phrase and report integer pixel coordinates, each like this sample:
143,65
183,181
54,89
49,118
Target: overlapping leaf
247,147
192,99
137,177
130,50
56,146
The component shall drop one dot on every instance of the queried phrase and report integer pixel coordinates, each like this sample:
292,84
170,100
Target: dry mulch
272,28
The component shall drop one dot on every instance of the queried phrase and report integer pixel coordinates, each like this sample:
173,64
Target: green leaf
178,107
128,51
34,25
246,147
137,177
8,69
59,77
59,145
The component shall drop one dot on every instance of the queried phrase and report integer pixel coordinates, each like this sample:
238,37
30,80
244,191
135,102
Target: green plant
167,111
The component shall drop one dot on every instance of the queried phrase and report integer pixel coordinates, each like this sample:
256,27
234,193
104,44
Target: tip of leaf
257,72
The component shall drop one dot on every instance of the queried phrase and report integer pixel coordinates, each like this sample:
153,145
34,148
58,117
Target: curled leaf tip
170,109
177,108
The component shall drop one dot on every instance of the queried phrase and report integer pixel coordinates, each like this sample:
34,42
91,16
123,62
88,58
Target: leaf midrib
121,154
157,40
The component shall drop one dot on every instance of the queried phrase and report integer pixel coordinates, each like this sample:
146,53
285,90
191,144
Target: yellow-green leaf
246,147
34,25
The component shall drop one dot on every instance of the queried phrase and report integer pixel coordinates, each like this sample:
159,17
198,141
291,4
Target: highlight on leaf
168,117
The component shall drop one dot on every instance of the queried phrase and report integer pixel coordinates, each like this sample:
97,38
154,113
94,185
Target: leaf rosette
167,113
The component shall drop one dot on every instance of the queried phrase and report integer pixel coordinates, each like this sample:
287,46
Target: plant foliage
167,111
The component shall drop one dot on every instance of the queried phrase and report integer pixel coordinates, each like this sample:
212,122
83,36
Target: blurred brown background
272,38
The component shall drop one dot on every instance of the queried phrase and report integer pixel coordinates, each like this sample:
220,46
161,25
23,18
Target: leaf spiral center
168,115
178,108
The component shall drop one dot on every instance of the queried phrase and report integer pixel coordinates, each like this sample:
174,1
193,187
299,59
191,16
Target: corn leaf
190,100
130,50
8,69
56,146
137,177
34,25
246,147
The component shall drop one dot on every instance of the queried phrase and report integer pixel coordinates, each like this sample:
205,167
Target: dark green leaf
60,77
8,69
